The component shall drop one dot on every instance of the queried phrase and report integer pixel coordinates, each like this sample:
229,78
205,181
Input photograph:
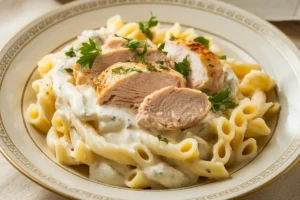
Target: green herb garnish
202,40
224,57
145,26
151,69
134,44
183,67
70,53
160,62
172,38
89,52
160,138
207,170
161,48
163,67
120,70
116,70
142,54
221,99
69,70
128,70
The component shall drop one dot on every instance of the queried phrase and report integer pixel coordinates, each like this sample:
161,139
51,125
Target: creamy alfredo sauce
117,125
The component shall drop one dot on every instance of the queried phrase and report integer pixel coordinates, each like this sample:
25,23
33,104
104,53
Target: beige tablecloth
14,186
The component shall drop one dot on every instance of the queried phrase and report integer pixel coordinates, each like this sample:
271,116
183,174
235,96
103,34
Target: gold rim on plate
76,8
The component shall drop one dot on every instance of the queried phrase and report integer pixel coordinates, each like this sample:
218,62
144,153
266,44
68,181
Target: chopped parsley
145,26
160,138
141,55
117,70
69,70
205,91
207,170
70,53
224,57
151,69
161,48
120,70
163,67
202,40
183,67
89,52
220,100
134,44
172,38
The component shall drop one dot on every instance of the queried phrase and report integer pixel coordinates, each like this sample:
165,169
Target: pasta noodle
247,150
256,128
256,80
34,115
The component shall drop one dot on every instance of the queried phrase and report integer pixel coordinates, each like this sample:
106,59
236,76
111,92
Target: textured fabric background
14,14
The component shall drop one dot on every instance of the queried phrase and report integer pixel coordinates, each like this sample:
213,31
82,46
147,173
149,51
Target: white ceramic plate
240,34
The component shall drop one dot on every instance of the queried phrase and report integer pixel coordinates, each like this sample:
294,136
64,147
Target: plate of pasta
153,99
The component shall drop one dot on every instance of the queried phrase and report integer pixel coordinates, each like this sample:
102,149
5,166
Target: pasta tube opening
189,148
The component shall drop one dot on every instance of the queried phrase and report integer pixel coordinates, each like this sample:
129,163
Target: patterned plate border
86,6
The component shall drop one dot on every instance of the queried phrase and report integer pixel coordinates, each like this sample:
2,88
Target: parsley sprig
161,48
223,99
145,26
160,138
121,70
224,57
134,45
173,38
89,52
70,53
183,67
202,40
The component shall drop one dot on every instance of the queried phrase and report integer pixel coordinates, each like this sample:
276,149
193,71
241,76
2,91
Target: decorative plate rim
42,23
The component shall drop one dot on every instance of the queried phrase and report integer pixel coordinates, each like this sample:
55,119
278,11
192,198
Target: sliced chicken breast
172,108
128,83
206,70
106,59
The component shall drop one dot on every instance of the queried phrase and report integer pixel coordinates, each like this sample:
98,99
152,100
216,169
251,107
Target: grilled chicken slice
106,59
128,83
206,70
172,108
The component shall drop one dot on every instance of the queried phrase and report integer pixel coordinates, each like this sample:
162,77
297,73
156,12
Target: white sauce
117,125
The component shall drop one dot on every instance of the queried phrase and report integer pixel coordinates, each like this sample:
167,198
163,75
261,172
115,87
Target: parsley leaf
142,54
134,44
70,53
151,69
89,52
224,57
163,67
172,38
145,26
206,91
120,70
221,99
207,170
128,70
69,70
202,40
183,67
161,48
160,138
116,70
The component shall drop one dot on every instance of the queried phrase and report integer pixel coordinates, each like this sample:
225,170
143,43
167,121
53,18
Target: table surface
14,14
